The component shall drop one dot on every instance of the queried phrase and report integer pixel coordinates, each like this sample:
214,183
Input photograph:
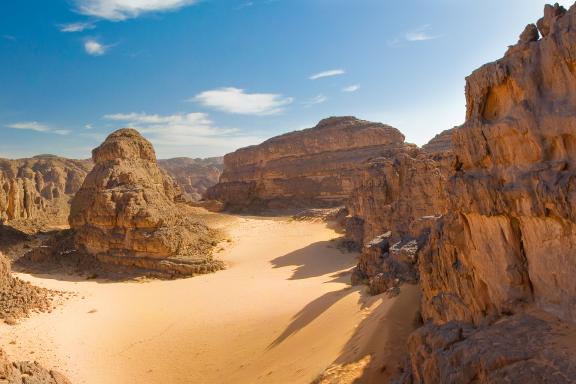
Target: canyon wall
194,176
497,274
38,190
309,168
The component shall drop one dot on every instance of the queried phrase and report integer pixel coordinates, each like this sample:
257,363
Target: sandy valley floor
281,313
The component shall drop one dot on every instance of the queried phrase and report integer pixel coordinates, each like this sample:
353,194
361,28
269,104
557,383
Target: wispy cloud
76,27
117,10
9,37
37,127
235,100
329,73
351,88
319,99
94,48
421,34
183,130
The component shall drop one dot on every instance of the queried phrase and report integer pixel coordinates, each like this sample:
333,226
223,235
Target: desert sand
282,312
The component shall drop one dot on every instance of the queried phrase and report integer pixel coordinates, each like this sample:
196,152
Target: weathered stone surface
497,273
194,176
532,348
19,298
126,211
25,372
401,195
309,168
36,192
511,235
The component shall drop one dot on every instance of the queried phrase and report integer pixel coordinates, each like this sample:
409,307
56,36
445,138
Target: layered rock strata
194,176
312,168
126,212
507,248
37,191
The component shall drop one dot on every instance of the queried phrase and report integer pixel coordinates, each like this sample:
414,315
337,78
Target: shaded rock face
38,191
507,248
194,176
395,202
126,211
309,168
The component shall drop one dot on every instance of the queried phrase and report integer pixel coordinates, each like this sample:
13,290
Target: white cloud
94,48
76,27
330,73
421,34
117,10
319,99
60,131
351,88
37,127
235,100
178,134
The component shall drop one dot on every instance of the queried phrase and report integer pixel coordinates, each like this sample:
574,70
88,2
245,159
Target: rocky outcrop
194,176
25,372
507,247
309,168
126,212
442,142
531,348
395,202
19,298
37,191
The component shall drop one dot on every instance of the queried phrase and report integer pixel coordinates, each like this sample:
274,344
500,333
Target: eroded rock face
194,176
395,202
309,168
127,213
532,348
36,192
511,237
507,248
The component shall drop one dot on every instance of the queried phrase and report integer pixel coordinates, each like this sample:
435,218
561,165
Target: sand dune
281,313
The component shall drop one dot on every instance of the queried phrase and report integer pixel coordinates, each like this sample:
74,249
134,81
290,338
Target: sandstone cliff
126,212
497,275
37,191
309,168
194,176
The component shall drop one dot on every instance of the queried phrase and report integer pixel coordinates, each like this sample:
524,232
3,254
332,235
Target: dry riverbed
282,312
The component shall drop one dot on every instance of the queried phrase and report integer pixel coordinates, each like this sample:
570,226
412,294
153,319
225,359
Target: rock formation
36,192
497,274
25,372
309,168
194,176
126,212
395,202
19,298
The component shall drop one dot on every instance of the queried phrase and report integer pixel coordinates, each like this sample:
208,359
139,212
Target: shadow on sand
316,260
377,350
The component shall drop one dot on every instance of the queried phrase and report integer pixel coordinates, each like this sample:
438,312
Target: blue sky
202,78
